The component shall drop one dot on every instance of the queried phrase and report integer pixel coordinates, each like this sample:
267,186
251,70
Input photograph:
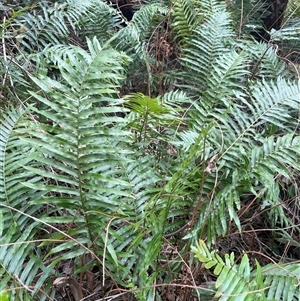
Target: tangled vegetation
151,154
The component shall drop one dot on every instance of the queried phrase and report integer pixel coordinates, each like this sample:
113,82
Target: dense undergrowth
148,159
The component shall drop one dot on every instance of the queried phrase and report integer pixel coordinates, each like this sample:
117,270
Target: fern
85,169
244,116
134,37
203,52
98,19
185,19
131,175
266,64
84,178
37,31
17,226
138,40
240,282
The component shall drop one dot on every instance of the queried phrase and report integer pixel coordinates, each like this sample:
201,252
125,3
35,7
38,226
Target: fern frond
210,7
186,19
71,105
89,173
235,281
40,28
239,282
17,228
260,165
289,33
265,62
271,103
276,102
98,19
282,280
205,50
134,37
148,114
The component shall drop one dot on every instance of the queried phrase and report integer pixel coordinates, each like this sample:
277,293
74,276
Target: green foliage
30,31
18,225
290,30
134,37
4,296
242,282
247,16
87,156
244,152
49,25
87,168
138,39
148,114
185,19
